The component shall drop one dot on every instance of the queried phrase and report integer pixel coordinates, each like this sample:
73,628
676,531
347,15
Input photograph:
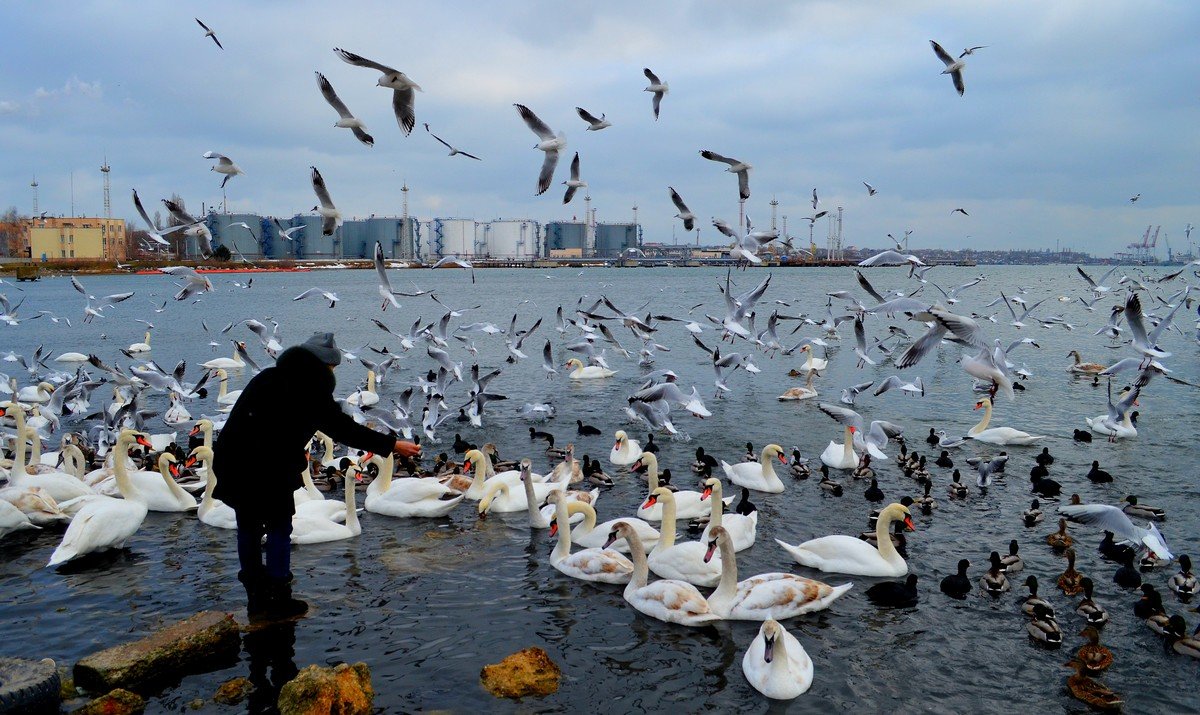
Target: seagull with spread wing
346,120
453,151
209,33
574,182
594,125
224,166
331,297
685,214
658,87
550,143
954,67
385,284
736,166
331,217
402,88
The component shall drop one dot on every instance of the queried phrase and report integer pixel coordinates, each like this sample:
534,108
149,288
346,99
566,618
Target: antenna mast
104,169
34,185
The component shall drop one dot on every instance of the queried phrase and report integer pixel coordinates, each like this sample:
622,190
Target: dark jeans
251,528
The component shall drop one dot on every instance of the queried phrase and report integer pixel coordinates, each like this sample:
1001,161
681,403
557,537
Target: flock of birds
112,467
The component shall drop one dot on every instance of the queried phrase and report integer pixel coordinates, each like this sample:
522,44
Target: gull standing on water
332,218
346,120
550,143
595,125
224,166
736,166
658,87
453,151
574,182
402,88
954,67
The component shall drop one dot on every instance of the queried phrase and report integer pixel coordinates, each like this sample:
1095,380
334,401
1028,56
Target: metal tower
404,193
774,212
104,169
589,241
34,185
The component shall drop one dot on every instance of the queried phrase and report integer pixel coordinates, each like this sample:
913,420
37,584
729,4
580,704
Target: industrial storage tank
310,244
517,239
565,236
236,238
281,247
359,237
612,239
450,237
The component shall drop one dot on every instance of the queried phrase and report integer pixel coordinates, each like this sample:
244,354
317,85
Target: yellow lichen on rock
529,672
343,689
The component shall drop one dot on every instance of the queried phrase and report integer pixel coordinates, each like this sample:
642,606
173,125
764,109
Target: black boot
280,604
257,596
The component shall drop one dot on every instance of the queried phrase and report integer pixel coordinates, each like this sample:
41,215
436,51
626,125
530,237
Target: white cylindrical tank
513,239
450,237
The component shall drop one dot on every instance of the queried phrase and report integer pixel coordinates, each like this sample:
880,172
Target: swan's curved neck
327,442
535,514
476,490
147,340
178,492
1077,357
983,423
848,445
35,449
768,469
562,515
637,554
883,538
309,486
589,518
224,383
718,507
727,586
496,487
370,381
351,505
73,460
386,465
666,537
652,472
121,472
19,446
210,483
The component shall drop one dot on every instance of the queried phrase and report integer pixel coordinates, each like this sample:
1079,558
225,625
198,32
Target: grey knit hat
322,345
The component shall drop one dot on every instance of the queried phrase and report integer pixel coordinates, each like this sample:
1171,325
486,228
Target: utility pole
104,169
34,185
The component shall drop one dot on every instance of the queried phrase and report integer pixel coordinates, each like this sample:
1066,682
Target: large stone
529,672
340,690
117,702
171,651
233,691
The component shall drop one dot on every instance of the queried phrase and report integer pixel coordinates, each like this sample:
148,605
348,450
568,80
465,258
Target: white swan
13,519
142,347
71,357
480,482
776,665
767,595
367,397
1117,423
589,534
330,458
105,523
225,397
806,392
35,394
315,530
759,475
688,504
37,506
225,363
671,601
841,456
60,486
213,512
590,372
410,496
813,364
603,565
851,555
625,451
176,414
500,496
686,561
998,435
742,528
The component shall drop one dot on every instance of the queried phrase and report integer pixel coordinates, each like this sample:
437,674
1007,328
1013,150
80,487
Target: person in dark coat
262,451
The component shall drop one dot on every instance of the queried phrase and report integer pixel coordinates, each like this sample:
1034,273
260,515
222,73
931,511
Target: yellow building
67,238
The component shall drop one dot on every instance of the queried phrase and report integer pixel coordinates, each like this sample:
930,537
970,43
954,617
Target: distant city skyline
1069,111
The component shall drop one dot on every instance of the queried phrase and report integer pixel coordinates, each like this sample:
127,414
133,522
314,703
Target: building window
72,253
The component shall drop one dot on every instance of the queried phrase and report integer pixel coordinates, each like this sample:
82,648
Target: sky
1070,110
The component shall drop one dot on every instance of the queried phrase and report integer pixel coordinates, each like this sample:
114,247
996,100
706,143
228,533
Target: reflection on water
271,658
427,603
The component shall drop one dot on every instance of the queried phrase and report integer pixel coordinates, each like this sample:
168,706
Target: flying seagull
595,125
870,189
332,218
814,199
224,166
155,233
1133,199
385,284
209,33
286,233
453,151
960,211
689,219
346,120
574,182
658,87
550,143
953,67
331,297
736,166
402,88
971,50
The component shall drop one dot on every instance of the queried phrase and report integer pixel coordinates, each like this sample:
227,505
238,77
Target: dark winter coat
259,455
